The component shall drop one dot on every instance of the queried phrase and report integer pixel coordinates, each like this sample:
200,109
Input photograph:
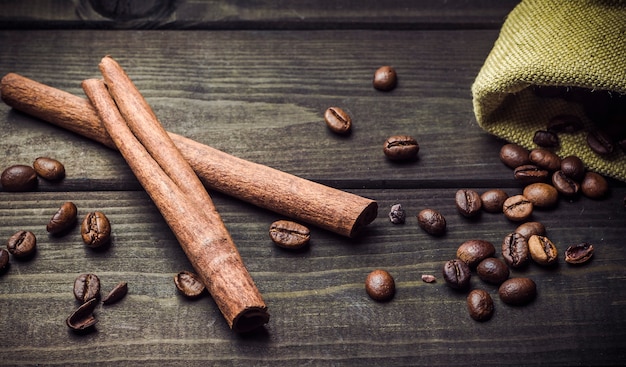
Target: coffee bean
529,173
95,230
517,208
468,202
428,278
380,285
600,142
573,168
4,261
397,215
472,252
116,294
493,200
515,250
288,234
457,274
545,159
546,139
18,178
82,319
565,124
493,270
385,78
542,250
49,169
479,305
594,186
189,284
63,219
22,244
86,287
514,155
518,291
541,195
338,120
401,148
530,228
564,184
432,221
579,254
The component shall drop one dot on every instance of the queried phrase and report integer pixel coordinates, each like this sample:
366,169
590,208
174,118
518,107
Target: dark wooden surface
254,81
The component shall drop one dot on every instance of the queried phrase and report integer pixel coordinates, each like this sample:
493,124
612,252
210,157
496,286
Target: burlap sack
570,43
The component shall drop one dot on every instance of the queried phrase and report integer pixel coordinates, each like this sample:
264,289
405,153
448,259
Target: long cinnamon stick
191,216
335,210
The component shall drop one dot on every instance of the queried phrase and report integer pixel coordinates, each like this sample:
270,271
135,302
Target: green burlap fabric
573,43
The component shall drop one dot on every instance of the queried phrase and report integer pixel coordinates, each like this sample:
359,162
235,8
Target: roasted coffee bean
518,291
530,228
546,139
63,219
397,215
529,173
428,278
468,202
542,250
493,270
545,159
82,319
600,142
564,184
380,285
565,124
289,235
385,78
517,208
573,168
337,120
4,260
19,178
479,305
49,169
472,252
594,186
515,250
22,244
541,195
493,200
401,148
86,287
514,155
189,284
116,294
95,230
432,221
457,274
579,254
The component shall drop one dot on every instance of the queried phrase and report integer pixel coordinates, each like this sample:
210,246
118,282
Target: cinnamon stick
297,198
190,214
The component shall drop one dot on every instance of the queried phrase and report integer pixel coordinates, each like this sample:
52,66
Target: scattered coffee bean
542,250
432,222
514,155
565,124
116,294
573,167
545,159
49,169
380,285
401,148
19,178
541,195
4,260
493,200
82,319
517,208
600,142
63,219
468,202
289,235
546,139
472,252
337,120
515,250
189,284
530,228
397,215
428,278
517,291
579,254
493,270
22,244
86,287
479,305
95,230
385,78
457,274
564,184
529,173
594,186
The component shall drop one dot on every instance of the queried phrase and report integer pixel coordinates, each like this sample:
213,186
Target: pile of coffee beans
87,293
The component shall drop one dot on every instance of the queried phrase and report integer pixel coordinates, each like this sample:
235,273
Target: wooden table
254,80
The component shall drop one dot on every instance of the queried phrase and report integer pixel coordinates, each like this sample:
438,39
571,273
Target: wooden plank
321,314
